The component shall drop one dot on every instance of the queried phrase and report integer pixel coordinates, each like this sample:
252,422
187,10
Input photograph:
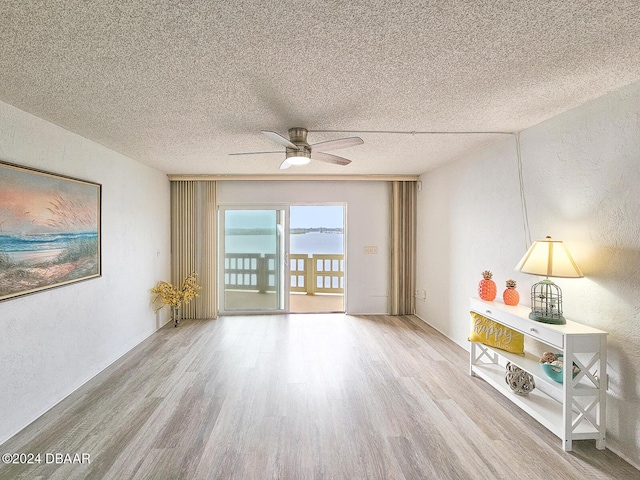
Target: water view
308,243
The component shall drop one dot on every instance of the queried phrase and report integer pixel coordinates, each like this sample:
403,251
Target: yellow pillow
490,333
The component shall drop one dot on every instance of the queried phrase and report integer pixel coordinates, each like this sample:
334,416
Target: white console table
572,410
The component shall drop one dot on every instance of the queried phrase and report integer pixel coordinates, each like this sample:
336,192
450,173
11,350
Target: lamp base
555,320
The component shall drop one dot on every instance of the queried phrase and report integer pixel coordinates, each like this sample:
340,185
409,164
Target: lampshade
549,258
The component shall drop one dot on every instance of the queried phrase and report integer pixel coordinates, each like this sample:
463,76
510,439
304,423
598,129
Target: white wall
52,342
582,184
367,284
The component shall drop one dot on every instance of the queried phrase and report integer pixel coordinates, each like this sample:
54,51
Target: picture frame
50,230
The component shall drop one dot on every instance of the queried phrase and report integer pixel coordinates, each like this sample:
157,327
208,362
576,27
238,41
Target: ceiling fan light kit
299,152
296,157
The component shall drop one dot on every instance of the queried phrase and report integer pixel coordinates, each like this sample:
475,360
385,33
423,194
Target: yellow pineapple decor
511,295
174,296
487,289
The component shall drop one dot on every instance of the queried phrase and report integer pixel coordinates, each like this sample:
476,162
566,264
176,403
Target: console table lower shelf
575,411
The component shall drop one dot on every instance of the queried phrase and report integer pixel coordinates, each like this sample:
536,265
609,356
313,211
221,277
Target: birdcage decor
546,303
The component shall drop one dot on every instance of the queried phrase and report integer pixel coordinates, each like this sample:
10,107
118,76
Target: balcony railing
310,274
317,273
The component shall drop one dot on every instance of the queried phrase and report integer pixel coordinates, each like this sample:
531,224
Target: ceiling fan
299,152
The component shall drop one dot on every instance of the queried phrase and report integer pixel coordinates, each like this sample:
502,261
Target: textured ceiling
181,84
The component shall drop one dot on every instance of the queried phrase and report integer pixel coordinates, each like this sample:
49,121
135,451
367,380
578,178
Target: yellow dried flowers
175,296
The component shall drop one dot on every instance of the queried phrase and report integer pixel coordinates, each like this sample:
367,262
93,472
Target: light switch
371,250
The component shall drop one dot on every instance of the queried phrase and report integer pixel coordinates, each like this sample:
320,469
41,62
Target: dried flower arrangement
174,296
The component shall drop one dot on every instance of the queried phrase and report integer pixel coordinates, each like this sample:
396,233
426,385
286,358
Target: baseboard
82,383
434,327
623,456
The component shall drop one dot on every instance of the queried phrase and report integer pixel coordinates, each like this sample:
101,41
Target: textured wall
367,276
581,173
54,341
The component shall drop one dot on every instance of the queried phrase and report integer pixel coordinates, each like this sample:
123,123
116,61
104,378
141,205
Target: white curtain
194,242
403,248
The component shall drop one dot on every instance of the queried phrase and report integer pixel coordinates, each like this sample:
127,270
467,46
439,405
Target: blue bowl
554,372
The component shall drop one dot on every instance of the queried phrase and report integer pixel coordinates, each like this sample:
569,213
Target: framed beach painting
49,230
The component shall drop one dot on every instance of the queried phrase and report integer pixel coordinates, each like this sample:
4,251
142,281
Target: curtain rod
299,178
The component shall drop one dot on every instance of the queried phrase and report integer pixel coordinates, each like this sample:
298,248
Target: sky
328,216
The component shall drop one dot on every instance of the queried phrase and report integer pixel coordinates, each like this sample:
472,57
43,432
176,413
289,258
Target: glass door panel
253,260
317,258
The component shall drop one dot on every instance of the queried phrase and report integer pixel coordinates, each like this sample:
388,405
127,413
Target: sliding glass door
317,258
252,246
285,258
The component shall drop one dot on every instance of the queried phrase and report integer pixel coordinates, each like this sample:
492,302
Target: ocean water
39,248
309,243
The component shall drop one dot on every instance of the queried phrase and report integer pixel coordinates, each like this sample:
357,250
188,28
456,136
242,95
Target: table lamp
552,259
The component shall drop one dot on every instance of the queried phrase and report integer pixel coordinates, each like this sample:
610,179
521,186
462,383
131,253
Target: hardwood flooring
299,397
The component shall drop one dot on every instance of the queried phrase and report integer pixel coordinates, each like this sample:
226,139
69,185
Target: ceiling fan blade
284,165
327,157
254,153
336,144
279,139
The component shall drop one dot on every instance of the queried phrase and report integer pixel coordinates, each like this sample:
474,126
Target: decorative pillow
485,330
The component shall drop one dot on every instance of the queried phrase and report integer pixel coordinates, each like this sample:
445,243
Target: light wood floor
299,397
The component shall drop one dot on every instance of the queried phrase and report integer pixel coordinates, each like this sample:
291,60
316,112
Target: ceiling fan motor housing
303,152
298,135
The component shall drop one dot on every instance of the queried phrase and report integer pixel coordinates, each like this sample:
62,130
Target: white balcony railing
310,274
